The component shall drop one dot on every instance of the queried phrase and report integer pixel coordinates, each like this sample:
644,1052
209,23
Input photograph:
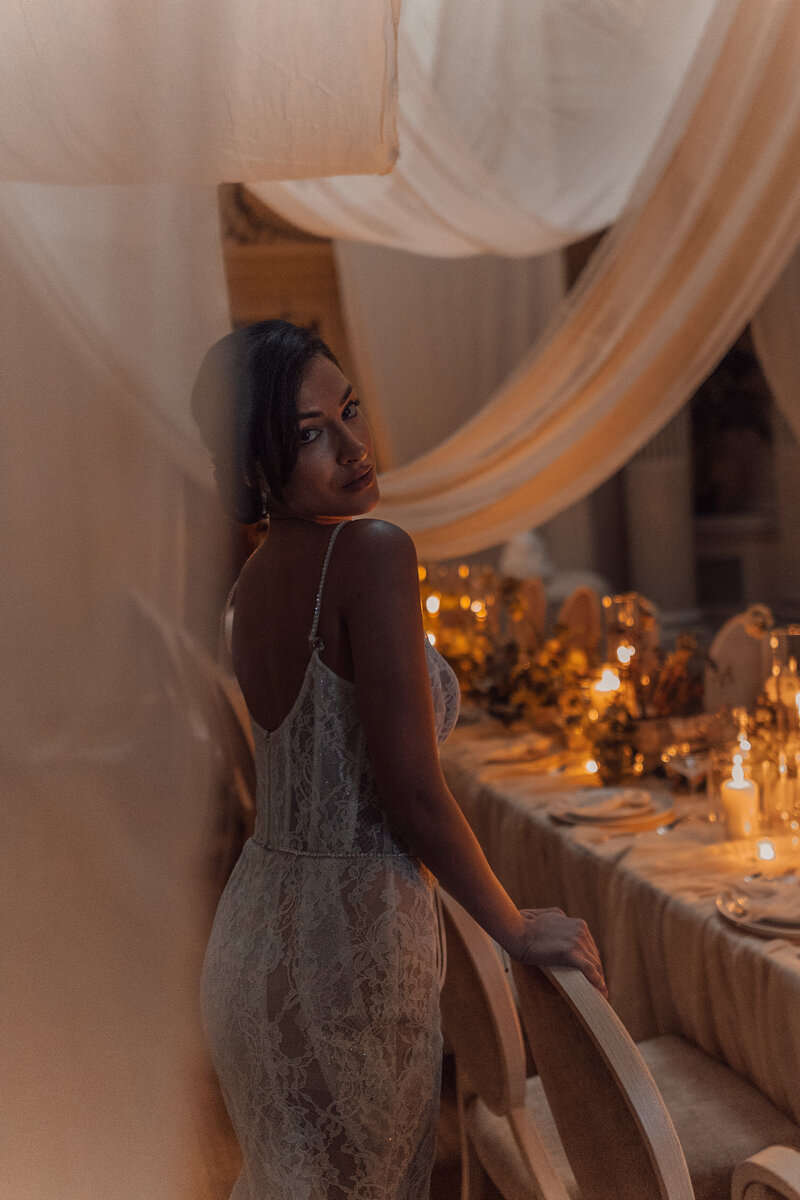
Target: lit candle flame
625,654
608,682
737,771
591,767
432,603
765,851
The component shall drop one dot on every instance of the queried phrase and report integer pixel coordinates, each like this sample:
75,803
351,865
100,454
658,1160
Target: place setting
766,903
614,810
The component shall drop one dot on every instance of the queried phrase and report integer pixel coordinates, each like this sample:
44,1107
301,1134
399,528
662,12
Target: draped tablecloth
673,964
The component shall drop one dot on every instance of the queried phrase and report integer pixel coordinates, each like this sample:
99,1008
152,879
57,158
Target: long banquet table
673,964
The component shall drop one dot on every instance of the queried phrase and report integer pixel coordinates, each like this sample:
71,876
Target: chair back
534,598
479,1017
615,1129
581,615
741,666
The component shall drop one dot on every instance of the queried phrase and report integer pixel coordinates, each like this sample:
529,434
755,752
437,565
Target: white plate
660,812
734,904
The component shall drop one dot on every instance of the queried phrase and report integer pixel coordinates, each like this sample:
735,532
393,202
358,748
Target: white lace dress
320,985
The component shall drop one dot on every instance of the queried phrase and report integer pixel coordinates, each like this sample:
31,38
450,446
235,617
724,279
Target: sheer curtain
523,126
706,232
713,221
196,91
118,121
775,328
433,337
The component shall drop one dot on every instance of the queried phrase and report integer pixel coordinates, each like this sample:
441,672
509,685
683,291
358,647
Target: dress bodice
315,789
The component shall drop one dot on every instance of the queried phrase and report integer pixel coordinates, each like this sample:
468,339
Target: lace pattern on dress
320,984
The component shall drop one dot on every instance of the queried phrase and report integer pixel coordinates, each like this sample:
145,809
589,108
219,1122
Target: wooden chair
506,1132
534,597
658,1120
741,666
581,616
774,1174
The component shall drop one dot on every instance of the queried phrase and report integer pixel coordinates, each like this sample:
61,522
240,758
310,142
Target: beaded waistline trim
327,854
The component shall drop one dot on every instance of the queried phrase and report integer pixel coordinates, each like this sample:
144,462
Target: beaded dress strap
316,643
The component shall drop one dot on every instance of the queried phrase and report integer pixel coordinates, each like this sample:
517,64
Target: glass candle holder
783,685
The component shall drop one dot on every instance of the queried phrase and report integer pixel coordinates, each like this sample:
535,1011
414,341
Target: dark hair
245,404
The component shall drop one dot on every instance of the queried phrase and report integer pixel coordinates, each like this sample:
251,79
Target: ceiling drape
713,220
523,126
196,91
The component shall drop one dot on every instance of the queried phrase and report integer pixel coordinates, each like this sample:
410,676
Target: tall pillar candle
740,802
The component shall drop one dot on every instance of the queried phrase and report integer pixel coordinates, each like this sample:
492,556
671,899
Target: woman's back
321,979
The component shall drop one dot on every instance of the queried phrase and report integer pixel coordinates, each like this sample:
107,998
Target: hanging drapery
775,329
710,229
109,757
432,338
196,91
523,126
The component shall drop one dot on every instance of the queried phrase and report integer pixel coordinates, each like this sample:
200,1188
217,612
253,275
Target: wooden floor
215,1154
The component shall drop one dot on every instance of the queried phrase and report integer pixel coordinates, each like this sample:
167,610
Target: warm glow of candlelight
432,603
477,606
431,638
765,850
591,767
625,654
737,772
608,682
463,571
464,601
422,573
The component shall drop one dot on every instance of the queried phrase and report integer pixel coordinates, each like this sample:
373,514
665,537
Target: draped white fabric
522,126
775,329
432,337
110,295
708,232
198,91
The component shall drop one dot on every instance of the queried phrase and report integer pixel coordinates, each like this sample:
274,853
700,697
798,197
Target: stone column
658,494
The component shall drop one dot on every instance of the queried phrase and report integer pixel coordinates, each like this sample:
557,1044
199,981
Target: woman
320,985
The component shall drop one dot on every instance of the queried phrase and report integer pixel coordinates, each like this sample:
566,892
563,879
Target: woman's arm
384,623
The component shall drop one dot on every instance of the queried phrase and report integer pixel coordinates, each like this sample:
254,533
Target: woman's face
334,475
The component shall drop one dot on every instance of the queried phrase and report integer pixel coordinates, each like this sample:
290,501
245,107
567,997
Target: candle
765,850
779,795
605,690
740,802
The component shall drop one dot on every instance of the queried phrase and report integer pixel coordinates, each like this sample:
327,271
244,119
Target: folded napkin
606,807
776,902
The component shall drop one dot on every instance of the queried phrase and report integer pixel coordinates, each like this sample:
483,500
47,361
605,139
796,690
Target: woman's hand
549,938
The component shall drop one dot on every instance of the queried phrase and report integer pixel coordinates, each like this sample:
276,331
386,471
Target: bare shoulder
375,548
378,559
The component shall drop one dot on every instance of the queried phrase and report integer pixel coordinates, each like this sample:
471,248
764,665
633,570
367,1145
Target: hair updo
244,402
